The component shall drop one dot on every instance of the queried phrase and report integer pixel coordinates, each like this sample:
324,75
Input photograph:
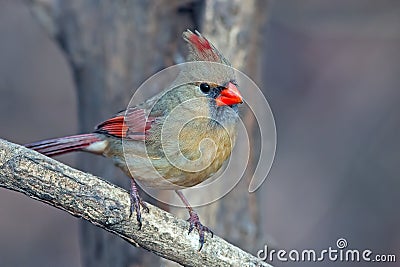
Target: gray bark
107,206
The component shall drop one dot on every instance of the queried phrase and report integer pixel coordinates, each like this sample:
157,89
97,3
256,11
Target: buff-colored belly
177,170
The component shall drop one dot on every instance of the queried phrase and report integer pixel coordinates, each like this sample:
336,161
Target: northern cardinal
133,138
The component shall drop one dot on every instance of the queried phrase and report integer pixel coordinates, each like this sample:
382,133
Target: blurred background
329,69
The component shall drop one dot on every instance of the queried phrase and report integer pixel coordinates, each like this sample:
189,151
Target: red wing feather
131,124
115,126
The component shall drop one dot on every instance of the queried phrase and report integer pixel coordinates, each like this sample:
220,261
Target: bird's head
213,76
207,80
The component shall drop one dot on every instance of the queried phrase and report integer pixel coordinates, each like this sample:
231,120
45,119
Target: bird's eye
205,87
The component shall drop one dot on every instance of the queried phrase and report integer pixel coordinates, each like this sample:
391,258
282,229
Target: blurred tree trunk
236,28
112,47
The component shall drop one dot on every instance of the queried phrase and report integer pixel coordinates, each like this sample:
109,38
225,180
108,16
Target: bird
176,139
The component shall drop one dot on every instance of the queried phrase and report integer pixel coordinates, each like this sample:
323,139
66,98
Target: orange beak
229,96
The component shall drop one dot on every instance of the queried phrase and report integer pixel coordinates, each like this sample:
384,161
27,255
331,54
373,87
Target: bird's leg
136,202
194,220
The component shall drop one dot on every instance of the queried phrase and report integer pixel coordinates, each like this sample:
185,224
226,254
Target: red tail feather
58,146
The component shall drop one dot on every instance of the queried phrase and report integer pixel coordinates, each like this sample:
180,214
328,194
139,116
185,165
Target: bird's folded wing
131,124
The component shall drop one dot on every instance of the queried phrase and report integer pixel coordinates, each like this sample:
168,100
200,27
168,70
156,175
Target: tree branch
107,206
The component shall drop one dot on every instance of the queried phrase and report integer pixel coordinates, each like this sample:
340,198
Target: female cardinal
176,139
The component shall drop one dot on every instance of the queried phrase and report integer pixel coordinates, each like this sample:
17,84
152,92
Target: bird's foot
201,229
136,204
